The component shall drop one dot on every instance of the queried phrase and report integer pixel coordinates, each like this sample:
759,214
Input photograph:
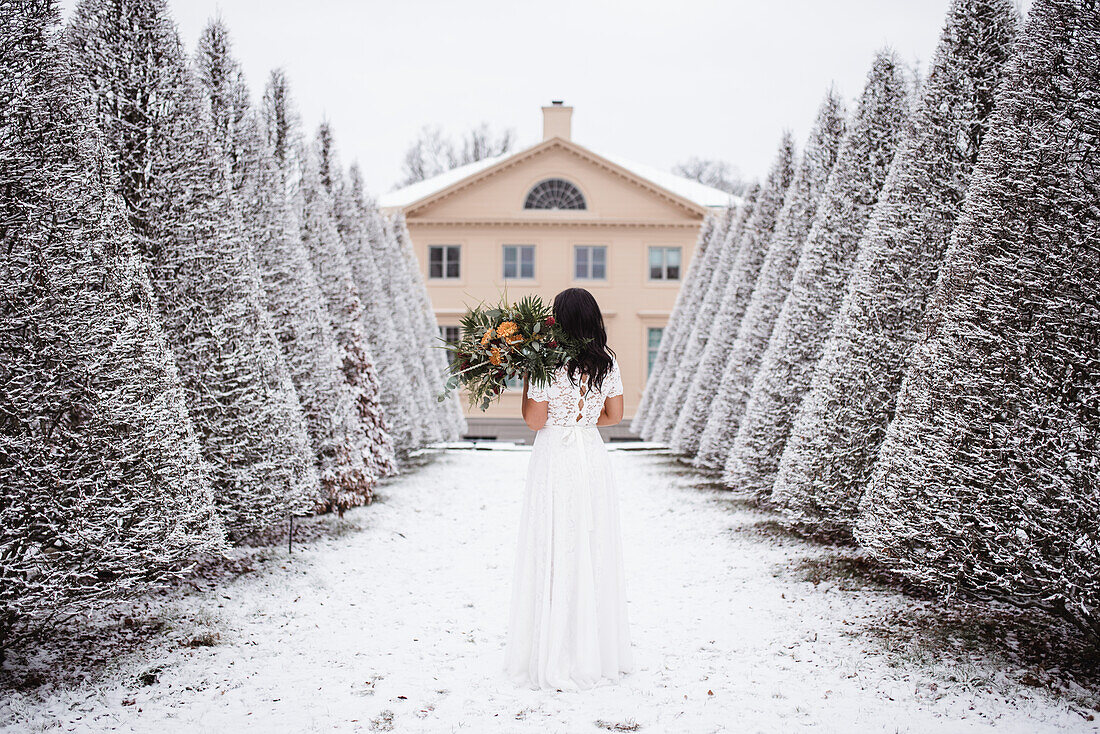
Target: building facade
552,216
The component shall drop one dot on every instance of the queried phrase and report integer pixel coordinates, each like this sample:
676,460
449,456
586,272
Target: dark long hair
578,314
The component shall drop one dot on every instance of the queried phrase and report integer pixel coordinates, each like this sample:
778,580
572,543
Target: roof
698,193
688,188
415,192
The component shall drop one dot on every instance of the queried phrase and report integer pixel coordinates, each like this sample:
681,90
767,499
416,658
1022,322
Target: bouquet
503,342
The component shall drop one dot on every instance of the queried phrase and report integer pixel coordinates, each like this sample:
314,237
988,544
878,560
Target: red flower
553,343
550,321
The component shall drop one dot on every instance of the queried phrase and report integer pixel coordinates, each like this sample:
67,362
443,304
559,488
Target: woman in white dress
568,625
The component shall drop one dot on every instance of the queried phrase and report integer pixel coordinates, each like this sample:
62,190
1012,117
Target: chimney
556,120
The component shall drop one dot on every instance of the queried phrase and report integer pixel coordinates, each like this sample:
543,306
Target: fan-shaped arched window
554,193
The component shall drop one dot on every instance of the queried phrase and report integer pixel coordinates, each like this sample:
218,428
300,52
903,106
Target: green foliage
506,341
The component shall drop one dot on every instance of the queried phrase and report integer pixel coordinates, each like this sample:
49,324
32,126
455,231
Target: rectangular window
443,262
519,261
664,263
590,262
451,335
653,343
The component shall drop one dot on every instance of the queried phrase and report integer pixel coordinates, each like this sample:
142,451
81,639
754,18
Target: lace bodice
576,405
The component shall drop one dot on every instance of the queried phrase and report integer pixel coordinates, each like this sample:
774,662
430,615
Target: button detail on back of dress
579,403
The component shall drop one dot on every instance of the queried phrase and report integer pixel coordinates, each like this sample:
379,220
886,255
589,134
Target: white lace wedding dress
568,624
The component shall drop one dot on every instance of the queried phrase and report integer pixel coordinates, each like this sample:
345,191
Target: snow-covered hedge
842,421
199,330
248,140
711,348
712,240
926,379
727,403
201,265
989,479
690,342
680,314
102,481
821,276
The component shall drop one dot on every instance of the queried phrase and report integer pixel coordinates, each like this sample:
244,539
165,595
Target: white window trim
606,264
444,276
519,261
664,264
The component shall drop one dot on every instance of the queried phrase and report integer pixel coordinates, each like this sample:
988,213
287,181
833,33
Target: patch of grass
150,676
1028,646
628,725
382,722
853,570
203,638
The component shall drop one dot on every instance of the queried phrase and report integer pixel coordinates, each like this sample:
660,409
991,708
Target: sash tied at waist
571,435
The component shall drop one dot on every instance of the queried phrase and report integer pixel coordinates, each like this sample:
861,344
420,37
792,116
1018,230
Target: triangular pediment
612,193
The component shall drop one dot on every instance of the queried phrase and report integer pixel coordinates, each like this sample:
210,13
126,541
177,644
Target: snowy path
400,625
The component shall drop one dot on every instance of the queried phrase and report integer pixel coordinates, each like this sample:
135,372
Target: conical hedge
727,405
821,277
842,421
986,483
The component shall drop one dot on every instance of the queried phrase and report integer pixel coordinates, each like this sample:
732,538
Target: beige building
552,216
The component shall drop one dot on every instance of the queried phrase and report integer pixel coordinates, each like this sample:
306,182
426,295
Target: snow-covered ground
398,624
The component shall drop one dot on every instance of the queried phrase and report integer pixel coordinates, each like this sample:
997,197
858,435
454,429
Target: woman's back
574,402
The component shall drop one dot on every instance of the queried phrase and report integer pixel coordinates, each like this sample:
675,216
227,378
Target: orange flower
486,337
494,356
509,332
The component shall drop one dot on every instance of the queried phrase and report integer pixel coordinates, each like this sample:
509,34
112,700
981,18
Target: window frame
576,192
589,278
664,249
520,249
445,262
443,328
652,349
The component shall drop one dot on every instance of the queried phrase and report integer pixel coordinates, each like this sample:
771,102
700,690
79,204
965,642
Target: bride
568,625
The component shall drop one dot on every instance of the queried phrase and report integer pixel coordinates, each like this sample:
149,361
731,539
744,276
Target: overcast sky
656,81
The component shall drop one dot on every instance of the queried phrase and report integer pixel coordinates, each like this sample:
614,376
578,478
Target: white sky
655,81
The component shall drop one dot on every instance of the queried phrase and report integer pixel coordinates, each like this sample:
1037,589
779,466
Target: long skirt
568,625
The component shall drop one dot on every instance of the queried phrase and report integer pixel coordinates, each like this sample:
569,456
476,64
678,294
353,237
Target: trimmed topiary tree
727,405
706,374
103,487
987,482
425,335
346,313
689,290
353,218
819,281
247,138
393,277
201,265
659,382
842,421
694,336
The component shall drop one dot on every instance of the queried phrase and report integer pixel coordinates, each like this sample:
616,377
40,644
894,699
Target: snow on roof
427,187
689,189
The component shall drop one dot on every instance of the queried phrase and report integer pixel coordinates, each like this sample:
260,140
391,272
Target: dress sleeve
539,393
614,381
